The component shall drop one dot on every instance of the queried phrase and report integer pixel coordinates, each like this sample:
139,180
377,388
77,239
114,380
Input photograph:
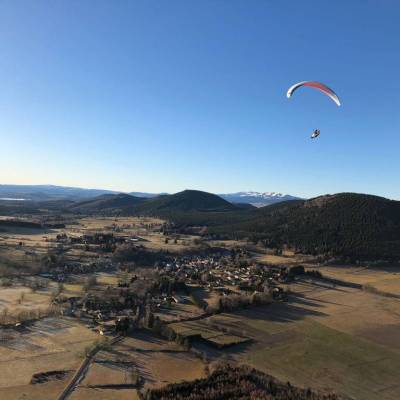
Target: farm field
159,361
185,309
20,298
345,340
330,337
384,279
45,391
104,394
51,344
21,249
114,372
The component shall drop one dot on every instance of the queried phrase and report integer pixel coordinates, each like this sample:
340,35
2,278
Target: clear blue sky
168,95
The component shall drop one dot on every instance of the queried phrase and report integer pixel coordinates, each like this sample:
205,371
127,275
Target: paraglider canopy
317,85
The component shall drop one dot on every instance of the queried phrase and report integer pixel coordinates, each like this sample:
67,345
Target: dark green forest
235,383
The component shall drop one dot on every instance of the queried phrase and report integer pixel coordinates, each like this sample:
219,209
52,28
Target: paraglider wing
323,88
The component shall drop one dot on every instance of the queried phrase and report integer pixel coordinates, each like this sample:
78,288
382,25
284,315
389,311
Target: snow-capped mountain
258,199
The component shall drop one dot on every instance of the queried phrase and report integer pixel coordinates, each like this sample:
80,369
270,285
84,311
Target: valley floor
329,338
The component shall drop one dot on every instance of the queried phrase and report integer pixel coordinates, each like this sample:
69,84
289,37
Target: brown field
155,360
83,393
326,336
36,242
205,295
179,311
109,373
19,298
45,391
287,258
330,338
47,345
162,362
384,279
26,258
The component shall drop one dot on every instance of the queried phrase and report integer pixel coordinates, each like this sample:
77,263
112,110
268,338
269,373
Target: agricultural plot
52,344
206,297
176,311
103,373
83,393
45,391
214,334
288,258
382,279
140,360
160,361
157,241
332,339
226,340
21,249
21,298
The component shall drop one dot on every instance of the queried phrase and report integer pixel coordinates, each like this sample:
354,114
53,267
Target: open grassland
160,361
157,241
214,334
288,257
48,345
205,296
140,360
83,393
385,279
185,309
45,391
20,298
23,247
329,338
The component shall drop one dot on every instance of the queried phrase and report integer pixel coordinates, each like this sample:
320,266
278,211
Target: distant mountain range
48,192
349,225
52,192
258,199
183,202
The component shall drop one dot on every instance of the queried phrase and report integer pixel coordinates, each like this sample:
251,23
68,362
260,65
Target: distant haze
52,192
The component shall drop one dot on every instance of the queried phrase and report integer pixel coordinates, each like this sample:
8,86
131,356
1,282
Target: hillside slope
183,202
108,203
352,225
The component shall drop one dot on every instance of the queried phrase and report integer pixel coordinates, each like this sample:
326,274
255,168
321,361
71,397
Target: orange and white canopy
317,85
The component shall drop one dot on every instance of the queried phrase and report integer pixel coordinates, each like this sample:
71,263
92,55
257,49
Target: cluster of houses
96,239
60,272
136,297
219,273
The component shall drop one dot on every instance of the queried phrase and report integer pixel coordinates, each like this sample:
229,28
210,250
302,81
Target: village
201,284
129,301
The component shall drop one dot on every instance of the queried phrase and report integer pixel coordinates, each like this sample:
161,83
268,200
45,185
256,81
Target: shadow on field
300,299
289,312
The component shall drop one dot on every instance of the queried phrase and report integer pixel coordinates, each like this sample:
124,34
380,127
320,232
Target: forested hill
183,202
107,203
240,383
353,225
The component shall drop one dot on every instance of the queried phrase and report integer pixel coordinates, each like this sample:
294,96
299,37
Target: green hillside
108,203
183,202
352,225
